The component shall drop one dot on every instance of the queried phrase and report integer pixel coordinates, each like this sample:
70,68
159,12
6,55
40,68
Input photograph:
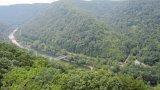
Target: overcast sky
10,2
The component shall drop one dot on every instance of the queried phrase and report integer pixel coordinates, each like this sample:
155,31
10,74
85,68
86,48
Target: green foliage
11,56
158,87
73,30
42,74
5,65
102,33
107,32
46,78
124,82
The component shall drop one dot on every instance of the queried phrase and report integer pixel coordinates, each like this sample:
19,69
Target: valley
80,45
13,38
62,57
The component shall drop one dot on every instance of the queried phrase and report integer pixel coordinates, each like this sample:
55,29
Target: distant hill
4,31
20,13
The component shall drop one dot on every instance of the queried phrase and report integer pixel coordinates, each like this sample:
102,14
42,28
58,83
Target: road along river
62,58
13,39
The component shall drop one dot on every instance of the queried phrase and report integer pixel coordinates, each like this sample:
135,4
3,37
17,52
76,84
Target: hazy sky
9,2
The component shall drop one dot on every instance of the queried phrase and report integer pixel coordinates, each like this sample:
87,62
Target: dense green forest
108,45
21,70
137,20
123,36
74,31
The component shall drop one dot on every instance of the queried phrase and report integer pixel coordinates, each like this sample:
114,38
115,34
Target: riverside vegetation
119,39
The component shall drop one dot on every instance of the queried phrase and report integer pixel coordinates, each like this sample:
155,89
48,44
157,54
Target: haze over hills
14,15
104,45
115,31
4,31
20,13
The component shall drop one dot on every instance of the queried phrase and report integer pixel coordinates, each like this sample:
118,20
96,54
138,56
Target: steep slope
4,31
21,70
136,19
139,21
80,27
20,13
65,26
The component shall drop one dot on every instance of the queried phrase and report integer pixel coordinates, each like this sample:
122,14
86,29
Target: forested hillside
64,26
138,20
21,70
4,31
20,13
123,36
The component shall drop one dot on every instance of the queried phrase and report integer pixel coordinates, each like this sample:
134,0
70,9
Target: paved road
62,57
13,39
